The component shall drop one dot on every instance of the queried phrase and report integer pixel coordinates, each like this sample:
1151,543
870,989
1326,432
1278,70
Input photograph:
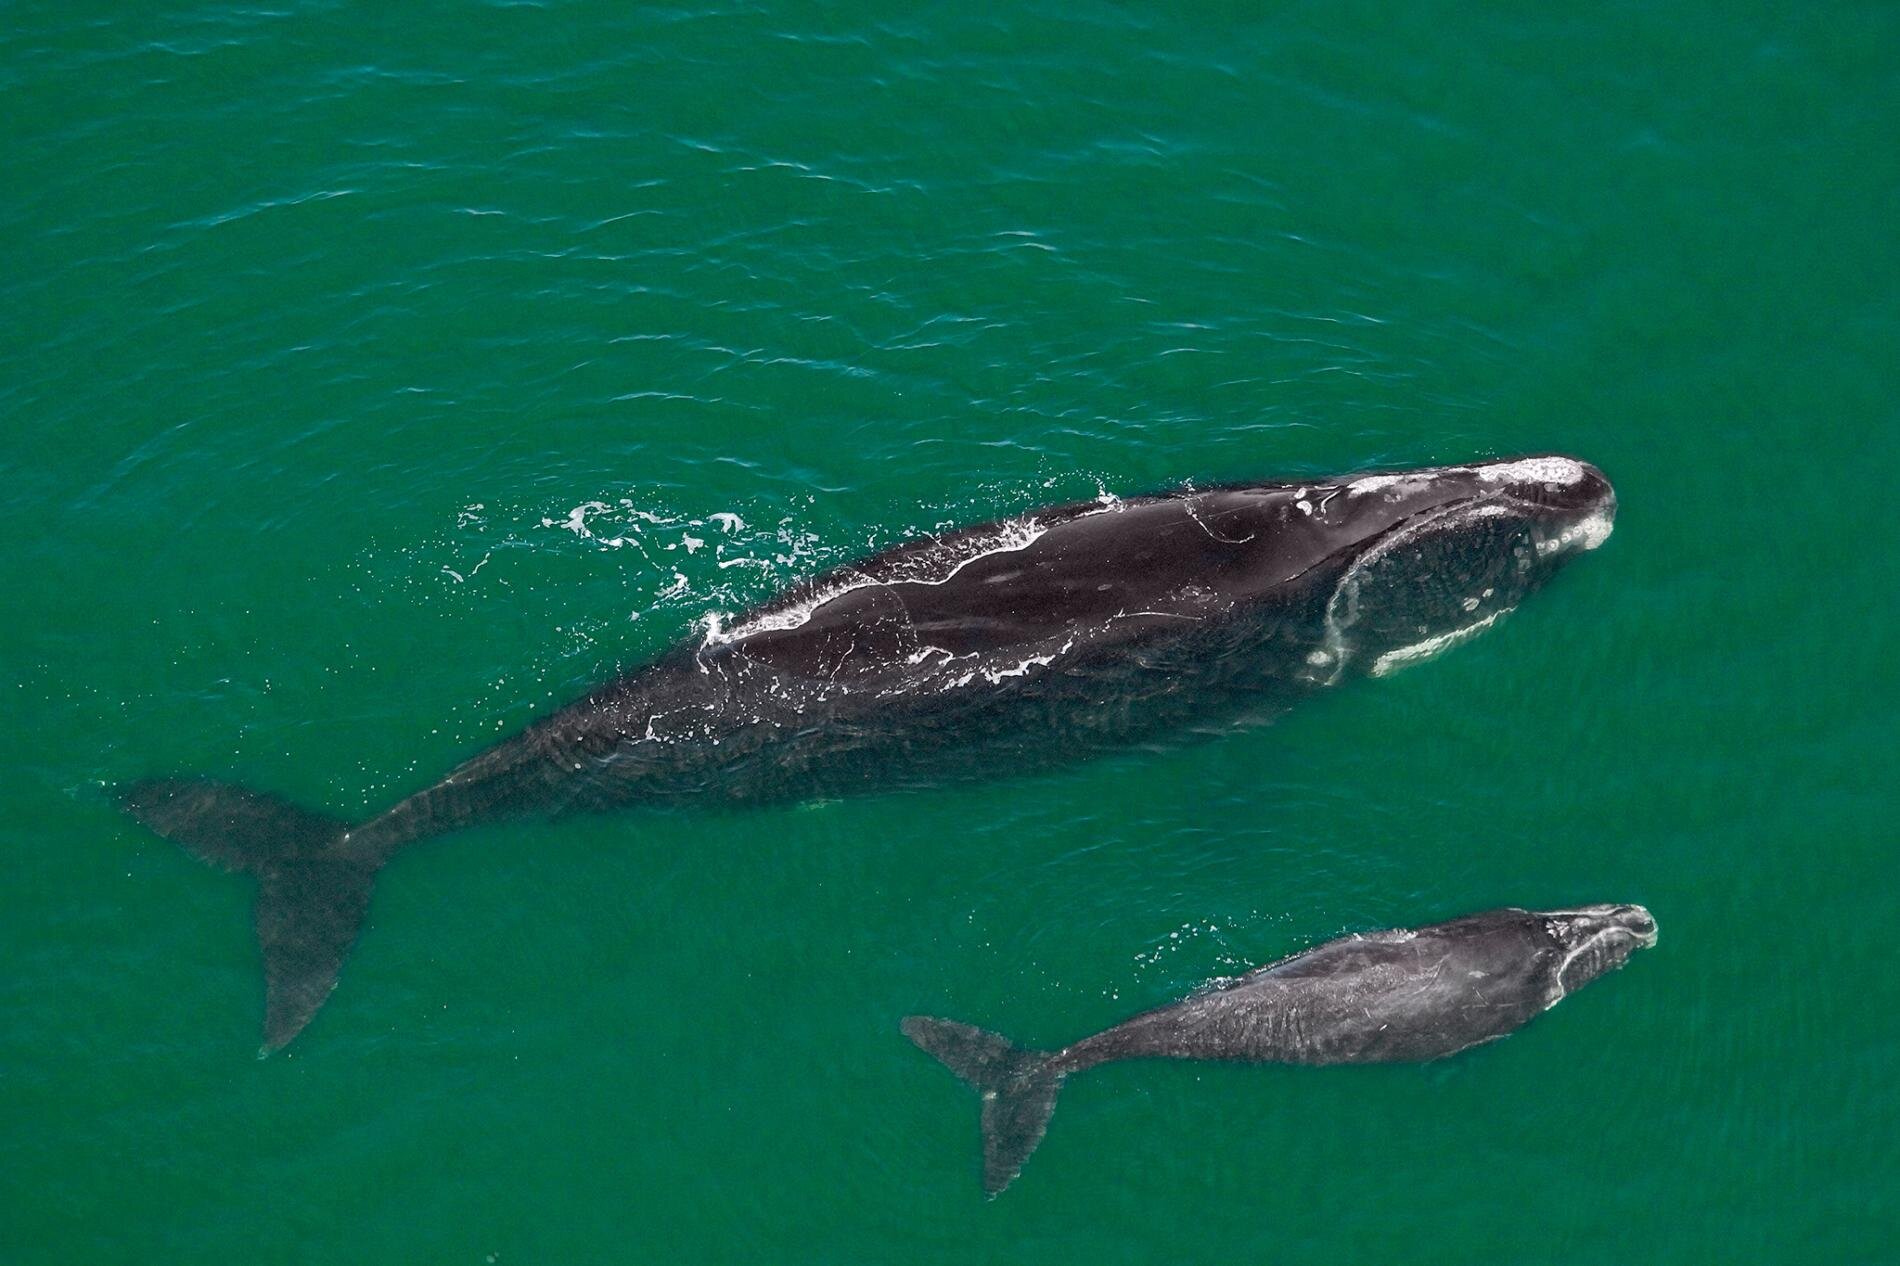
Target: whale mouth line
1590,945
1434,646
1334,651
1636,925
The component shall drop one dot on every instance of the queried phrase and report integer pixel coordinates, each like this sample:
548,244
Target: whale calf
1379,998
1001,646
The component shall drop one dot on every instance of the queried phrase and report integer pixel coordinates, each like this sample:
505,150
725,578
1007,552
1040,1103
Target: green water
318,325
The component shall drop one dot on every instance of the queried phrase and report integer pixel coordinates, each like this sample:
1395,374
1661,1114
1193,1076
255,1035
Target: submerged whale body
1381,998
1065,630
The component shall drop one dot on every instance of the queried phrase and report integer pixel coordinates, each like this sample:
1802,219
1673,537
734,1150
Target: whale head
1425,559
1593,940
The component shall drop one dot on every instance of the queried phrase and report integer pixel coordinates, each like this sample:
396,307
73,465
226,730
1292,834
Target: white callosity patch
1379,483
1532,470
1562,471
1585,534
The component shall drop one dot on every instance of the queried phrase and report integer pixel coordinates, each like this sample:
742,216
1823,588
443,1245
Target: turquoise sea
374,379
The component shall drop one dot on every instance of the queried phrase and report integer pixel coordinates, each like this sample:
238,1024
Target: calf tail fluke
1017,1087
311,892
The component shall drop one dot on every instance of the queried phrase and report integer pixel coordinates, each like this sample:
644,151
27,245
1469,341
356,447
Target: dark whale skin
1379,998
1003,646
1038,639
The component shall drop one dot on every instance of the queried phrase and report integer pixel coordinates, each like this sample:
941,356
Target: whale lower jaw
1432,647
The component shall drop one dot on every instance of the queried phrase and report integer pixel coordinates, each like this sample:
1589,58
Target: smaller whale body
1402,996
1004,646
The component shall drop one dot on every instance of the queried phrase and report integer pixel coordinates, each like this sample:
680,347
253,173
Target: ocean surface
374,379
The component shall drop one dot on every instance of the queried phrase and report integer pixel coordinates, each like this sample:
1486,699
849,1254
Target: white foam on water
996,675
1011,537
993,676
577,517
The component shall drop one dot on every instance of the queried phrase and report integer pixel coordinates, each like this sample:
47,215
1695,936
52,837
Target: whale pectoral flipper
311,895
1018,1090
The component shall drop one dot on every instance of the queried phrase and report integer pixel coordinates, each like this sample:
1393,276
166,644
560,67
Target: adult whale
1009,643
1381,998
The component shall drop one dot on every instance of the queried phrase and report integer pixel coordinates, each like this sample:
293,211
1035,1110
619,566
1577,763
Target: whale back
1071,576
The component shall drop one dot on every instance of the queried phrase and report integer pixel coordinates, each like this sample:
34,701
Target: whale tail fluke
1018,1089
311,894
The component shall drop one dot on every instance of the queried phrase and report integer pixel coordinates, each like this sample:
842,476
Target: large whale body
1392,997
1011,643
